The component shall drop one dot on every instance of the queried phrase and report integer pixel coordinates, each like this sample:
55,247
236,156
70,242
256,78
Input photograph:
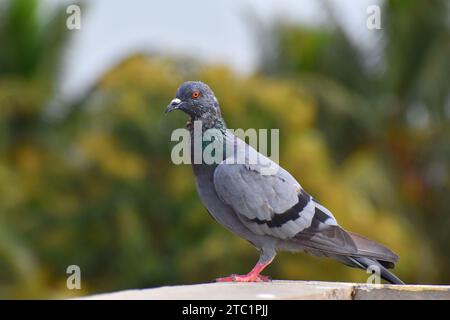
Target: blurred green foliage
94,185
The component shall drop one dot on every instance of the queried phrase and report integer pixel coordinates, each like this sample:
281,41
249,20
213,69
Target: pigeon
268,209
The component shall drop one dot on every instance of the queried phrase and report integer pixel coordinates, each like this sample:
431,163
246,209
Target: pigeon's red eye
195,94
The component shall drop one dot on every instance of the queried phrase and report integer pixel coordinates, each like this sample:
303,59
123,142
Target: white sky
212,31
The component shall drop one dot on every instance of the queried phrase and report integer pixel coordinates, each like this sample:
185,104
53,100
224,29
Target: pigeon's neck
208,122
213,133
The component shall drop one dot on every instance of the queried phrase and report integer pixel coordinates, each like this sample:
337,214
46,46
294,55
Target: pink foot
244,278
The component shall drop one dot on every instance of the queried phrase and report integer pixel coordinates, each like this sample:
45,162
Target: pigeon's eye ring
195,94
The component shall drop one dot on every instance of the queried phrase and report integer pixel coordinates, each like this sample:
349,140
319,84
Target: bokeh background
85,170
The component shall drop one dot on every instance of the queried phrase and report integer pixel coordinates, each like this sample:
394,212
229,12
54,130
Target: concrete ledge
406,292
286,290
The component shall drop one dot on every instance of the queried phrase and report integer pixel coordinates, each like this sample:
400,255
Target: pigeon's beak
173,105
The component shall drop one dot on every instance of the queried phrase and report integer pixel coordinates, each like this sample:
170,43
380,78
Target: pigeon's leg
255,274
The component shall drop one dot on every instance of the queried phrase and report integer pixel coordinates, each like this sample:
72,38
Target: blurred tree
391,103
30,50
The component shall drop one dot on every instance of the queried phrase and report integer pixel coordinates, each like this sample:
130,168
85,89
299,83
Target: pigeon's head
197,100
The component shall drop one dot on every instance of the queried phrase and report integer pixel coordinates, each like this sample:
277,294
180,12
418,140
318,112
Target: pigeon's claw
253,276
226,279
244,278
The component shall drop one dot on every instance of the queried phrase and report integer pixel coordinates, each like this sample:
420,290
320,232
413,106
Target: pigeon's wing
274,204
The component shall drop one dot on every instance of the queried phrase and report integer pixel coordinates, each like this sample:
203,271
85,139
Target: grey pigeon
271,211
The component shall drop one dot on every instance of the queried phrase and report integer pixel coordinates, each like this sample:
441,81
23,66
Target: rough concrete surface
286,290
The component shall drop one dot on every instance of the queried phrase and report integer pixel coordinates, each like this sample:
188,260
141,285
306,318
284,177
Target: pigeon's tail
375,267
372,257
348,248
374,250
